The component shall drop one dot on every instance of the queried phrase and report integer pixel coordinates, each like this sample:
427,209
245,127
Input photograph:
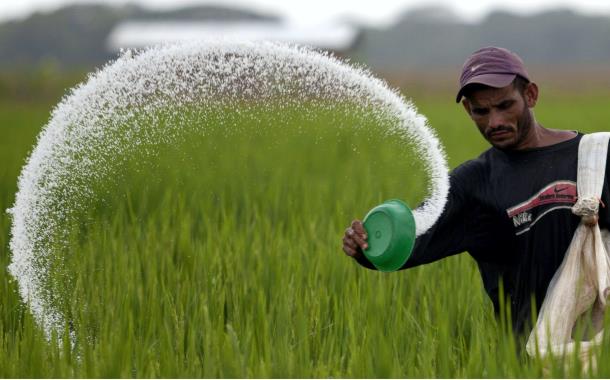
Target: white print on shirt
524,217
554,196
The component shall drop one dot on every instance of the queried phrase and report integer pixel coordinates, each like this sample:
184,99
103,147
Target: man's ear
531,94
466,105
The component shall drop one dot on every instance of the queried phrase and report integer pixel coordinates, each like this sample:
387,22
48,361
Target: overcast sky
374,12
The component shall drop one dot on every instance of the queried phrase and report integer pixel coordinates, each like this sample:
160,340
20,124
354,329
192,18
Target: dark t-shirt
511,211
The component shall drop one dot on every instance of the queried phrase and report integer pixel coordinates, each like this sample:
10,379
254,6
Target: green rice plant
220,257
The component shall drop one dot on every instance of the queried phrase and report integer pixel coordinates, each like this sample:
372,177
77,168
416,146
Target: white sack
581,285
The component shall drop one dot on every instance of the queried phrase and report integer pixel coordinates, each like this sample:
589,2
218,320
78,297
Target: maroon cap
491,66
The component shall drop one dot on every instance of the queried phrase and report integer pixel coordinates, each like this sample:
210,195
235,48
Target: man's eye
479,111
505,105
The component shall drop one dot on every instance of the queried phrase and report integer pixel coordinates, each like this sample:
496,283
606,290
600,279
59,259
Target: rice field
222,257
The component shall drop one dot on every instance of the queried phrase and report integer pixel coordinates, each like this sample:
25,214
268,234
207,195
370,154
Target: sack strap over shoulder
592,154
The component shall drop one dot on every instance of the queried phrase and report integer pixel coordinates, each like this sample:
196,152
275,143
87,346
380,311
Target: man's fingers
350,242
360,241
359,228
349,251
358,237
354,240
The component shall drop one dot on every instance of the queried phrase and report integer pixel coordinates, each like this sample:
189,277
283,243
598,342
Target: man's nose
495,119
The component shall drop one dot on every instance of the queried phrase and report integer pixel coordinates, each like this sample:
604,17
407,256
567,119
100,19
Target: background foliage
222,258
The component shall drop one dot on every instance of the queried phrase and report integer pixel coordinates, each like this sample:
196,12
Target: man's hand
354,240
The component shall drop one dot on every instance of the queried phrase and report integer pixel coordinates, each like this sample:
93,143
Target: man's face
503,115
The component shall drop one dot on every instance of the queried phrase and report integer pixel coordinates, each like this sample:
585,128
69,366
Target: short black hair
520,83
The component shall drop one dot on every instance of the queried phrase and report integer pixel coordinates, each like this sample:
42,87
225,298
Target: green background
223,259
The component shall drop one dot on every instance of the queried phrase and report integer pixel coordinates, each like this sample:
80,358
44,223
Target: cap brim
491,80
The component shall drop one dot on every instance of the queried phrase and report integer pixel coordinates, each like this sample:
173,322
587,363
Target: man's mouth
499,134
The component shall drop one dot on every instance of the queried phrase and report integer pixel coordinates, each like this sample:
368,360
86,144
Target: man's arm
445,238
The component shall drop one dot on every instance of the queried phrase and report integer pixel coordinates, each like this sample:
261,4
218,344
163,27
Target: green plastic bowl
391,235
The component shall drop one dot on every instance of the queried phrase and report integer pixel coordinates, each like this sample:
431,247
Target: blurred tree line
46,53
435,37
75,36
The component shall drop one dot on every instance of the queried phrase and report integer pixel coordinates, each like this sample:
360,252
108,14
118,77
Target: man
510,208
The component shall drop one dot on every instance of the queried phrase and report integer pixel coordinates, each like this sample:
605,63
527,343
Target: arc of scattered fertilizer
156,78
